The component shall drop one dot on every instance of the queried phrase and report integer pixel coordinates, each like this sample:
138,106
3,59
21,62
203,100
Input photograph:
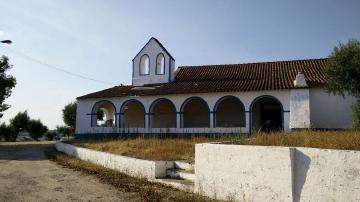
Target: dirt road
27,175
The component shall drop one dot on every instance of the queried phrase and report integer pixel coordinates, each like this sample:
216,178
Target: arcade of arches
266,114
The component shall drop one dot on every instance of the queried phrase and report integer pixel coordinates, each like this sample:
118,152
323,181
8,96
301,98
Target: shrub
356,115
49,135
7,132
36,129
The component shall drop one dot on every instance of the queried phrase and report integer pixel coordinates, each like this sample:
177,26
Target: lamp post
6,41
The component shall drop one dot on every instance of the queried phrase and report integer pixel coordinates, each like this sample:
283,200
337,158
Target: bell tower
153,64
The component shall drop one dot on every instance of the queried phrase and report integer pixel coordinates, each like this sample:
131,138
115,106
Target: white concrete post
211,120
178,120
147,118
299,108
247,122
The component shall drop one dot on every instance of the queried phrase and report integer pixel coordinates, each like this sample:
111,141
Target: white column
299,108
178,120
247,122
147,118
211,119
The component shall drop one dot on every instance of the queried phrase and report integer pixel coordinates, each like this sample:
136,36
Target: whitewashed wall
259,173
329,111
131,166
83,121
243,173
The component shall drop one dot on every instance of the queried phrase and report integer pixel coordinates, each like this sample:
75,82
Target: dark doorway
266,115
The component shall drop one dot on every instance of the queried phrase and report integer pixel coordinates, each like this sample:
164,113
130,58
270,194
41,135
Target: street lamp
6,41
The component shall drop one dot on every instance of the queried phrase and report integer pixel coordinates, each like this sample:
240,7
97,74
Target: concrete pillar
211,114
178,120
247,122
147,119
299,108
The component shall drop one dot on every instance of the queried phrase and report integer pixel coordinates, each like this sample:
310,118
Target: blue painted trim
185,103
132,100
140,65
224,98
153,104
93,108
259,98
156,67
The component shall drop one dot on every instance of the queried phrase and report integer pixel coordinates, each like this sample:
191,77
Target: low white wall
259,173
234,172
131,166
326,175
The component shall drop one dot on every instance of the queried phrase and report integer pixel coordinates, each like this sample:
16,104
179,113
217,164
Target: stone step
183,165
181,174
184,185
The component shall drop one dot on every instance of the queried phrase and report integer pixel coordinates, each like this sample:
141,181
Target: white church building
216,99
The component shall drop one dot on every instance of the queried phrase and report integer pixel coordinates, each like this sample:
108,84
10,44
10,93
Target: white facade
287,109
326,111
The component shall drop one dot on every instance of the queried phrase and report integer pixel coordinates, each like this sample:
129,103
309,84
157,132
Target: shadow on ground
24,151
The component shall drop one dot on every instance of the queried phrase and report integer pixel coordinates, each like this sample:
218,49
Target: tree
342,74
7,82
36,129
49,135
64,130
69,115
7,132
20,121
356,115
100,114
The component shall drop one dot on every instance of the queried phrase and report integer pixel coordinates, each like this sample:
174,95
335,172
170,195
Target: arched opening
195,113
144,65
103,114
230,112
132,114
160,64
266,114
163,114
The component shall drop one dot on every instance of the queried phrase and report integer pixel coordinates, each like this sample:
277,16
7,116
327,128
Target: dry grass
152,149
346,140
146,190
184,149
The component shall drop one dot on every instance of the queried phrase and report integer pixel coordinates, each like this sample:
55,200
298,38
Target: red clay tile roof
229,78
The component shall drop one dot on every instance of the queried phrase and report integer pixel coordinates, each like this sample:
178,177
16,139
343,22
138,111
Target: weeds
147,191
184,148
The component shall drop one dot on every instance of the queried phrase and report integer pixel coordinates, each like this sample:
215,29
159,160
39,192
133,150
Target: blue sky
99,38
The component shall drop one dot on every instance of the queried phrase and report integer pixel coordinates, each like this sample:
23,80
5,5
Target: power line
56,68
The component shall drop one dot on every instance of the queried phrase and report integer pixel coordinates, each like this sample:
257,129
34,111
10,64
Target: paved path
27,175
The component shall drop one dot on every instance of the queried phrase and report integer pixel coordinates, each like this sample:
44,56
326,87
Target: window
160,64
144,65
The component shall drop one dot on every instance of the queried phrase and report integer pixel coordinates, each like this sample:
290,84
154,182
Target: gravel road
27,175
